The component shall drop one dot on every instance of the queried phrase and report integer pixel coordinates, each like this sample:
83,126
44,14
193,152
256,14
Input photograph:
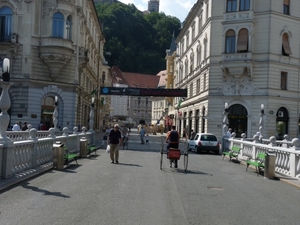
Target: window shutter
243,40
286,45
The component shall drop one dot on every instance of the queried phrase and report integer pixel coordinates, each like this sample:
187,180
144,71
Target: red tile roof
134,80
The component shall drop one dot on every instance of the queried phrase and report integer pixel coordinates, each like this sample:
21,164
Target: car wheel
197,150
217,153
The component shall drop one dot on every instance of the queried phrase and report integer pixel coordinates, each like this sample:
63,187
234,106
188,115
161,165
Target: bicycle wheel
185,162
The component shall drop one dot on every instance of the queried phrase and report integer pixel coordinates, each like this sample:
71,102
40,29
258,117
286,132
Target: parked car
204,142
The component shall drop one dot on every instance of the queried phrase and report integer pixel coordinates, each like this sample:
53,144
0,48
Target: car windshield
208,138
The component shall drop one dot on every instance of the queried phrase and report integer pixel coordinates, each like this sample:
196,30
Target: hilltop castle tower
153,6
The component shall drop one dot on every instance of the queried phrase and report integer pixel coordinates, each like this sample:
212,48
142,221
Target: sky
177,8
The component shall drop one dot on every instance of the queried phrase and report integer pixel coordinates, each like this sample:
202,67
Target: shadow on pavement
125,164
57,194
178,170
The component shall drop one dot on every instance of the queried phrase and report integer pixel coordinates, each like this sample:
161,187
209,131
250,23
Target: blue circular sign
105,90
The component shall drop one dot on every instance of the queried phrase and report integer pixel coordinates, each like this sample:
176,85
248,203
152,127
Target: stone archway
237,119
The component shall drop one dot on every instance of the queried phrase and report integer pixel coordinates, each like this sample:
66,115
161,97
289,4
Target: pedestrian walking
17,126
24,128
147,139
229,132
142,135
105,135
114,140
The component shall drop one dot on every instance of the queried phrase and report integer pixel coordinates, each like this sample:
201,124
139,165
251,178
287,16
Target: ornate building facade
244,53
56,52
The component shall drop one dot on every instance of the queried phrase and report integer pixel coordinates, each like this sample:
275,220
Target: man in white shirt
229,133
16,127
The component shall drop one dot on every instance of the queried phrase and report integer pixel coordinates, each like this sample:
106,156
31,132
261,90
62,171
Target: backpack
174,136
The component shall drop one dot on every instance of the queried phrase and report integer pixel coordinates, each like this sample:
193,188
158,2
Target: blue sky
177,8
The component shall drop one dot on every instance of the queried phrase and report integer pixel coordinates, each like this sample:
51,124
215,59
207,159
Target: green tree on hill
137,42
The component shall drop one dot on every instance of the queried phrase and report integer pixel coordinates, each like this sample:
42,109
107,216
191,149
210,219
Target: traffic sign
143,92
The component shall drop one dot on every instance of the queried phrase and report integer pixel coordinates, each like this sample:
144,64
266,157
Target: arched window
69,27
230,42
58,25
231,6
242,45
286,50
199,55
5,24
186,65
192,62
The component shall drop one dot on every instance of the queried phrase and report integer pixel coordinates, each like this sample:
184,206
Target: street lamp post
55,113
261,122
91,122
225,119
5,100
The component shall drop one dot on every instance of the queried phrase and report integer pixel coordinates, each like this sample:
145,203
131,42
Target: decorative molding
48,8
55,62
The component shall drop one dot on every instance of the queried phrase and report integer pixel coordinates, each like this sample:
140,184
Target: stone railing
22,155
287,156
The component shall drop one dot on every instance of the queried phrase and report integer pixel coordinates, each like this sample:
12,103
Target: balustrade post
293,159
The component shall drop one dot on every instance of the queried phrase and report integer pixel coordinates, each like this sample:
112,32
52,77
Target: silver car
205,142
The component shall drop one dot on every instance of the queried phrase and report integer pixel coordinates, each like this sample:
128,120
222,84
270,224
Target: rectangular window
244,5
193,31
283,81
200,24
286,7
231,6
198,86
103,78
187,40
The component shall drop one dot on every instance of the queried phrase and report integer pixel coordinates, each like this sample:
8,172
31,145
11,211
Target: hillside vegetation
136,42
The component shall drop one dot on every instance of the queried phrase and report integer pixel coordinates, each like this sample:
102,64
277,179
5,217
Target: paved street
137,192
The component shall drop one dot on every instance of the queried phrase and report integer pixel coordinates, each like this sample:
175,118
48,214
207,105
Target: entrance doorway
237,119
47,110
282,119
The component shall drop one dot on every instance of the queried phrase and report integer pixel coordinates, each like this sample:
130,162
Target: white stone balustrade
287,159
26,155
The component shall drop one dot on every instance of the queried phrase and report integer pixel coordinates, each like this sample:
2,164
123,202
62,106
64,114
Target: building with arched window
247,55
56,52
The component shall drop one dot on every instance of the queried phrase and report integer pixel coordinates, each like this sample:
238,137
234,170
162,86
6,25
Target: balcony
55,53
238,16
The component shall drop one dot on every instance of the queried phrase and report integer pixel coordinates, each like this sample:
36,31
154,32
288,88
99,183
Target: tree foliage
136,42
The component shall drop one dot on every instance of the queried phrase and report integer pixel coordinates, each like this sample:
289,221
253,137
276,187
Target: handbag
108,149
